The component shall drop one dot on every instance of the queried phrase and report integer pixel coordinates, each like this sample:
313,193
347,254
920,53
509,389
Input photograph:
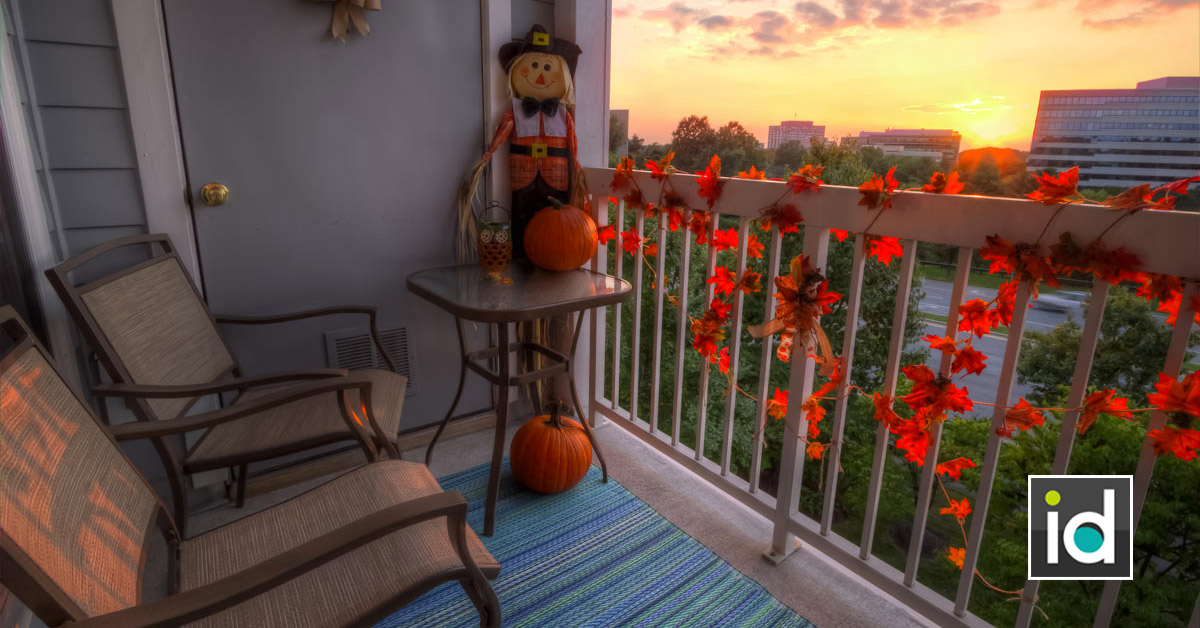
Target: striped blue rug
594,556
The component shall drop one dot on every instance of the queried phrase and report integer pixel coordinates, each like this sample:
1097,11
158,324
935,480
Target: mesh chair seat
297,425
361,583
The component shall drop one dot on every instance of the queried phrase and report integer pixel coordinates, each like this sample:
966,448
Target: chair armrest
189,606
167,427
165,391
323,311
295,316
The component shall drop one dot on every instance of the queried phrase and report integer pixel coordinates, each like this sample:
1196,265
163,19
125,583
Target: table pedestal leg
493,489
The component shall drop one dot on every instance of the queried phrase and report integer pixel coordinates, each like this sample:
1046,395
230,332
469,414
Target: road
983,386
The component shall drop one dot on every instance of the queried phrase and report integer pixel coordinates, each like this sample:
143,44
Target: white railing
1166,242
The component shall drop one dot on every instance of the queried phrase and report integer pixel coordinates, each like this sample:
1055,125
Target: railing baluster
735,345
1195,621
1066,432
635,355
962,272
890,376
800,385
597,319
660,271
702,413
1176,353
764,365
681,342
842,392
616,339
991,457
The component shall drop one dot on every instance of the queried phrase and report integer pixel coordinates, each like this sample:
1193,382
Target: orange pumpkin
550,454
561,237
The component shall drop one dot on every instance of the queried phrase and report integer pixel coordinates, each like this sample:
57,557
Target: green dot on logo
1052,498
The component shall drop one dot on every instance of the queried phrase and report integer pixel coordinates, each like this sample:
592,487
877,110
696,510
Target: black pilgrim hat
539,40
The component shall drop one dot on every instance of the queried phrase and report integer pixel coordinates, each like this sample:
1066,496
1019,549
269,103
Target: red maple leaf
777,405
754,248
806,178
954,468
883,248
914,440
719,309
674,219
884,412
1001,253
1182,395
958,507
786,216
623,175
1136,197
606,233
710,183
723,360
1160,287
631,242
945,344
877,193
1182,443
970,360
750,282
725,239
974,317
1102,402
1056,189
651,249
723,280
1180,186
840,234
939,183
698,224
1022,416
633,199
662,168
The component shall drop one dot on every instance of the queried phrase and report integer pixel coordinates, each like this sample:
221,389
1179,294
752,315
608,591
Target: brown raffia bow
347,11
801,298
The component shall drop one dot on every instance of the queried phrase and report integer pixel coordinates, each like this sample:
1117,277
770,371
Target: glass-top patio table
467,293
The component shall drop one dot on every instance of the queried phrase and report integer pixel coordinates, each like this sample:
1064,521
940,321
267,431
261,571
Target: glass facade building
1121,137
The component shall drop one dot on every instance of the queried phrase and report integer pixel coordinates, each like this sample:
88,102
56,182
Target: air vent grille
353,349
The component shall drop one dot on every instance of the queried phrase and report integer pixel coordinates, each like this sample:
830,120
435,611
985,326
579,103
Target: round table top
467,291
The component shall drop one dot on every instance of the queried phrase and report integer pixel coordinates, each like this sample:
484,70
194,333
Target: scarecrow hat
539,40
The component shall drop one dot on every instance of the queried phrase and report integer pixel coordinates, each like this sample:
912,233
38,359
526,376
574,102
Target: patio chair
163,350
78,524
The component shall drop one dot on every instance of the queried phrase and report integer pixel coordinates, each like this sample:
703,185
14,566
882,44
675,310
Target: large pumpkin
550,454
560,237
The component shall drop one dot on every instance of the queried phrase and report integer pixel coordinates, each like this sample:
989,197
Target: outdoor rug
594,556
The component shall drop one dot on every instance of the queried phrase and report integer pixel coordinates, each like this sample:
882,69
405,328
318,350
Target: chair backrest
76,517
146,321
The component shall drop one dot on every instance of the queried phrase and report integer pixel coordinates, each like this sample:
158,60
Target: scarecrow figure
541,131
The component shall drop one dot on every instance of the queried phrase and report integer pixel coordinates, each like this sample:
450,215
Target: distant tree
790,155
694,142
984,179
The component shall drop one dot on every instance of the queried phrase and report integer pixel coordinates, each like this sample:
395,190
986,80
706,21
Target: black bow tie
530,106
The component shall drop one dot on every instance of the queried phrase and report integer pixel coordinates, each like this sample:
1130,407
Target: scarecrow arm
503,130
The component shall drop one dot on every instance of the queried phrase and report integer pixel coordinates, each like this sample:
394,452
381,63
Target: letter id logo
1080,527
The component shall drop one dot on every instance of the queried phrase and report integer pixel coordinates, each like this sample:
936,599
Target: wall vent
352,348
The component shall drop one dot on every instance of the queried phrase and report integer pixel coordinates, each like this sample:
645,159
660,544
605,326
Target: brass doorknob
214,194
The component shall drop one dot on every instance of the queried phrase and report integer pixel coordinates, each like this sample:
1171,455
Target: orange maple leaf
777,405
814,450
957,555
750,282
754,248
1182,395
674,219
806,178
884,412
1102,402
877,193
974,317
945,344
786,216
914,440
1056,189
651,249
954,468
753,173
969,359
939,183
698,224
883,248
631,242
1022,416
958,507
662,168
623,175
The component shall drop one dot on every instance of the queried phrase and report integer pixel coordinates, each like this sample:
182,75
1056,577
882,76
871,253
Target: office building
794,131
937,144
1120,137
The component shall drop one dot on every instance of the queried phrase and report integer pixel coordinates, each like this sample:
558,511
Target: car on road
1061,301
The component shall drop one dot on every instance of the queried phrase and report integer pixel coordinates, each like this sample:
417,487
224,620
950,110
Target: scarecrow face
539,75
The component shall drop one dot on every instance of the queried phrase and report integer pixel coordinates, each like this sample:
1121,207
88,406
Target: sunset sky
976,66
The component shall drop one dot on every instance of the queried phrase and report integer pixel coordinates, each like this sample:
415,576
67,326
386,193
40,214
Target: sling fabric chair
77,523
163,350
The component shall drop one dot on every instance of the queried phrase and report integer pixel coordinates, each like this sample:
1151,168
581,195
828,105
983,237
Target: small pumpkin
550,453
560,237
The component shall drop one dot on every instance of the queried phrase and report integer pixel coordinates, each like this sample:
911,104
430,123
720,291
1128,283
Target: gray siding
526,13
77,95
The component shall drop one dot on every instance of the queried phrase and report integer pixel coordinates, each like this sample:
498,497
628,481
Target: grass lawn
976,279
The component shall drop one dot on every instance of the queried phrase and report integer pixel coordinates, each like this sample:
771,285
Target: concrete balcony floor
818,588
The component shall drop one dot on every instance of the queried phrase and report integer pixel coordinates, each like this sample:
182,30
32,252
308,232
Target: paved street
983,386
